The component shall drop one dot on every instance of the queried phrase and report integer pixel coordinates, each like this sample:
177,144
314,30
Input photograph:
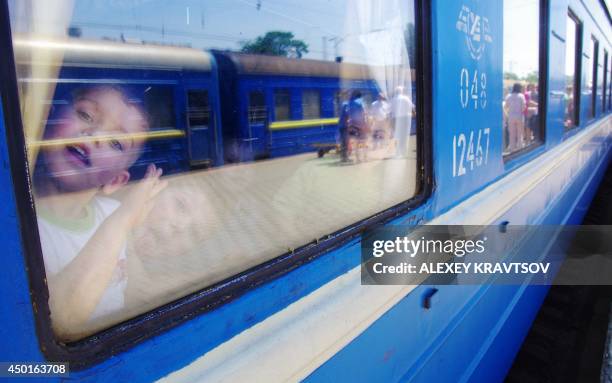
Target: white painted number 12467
471,152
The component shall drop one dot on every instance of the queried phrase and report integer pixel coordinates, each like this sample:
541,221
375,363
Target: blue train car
252,272
276,106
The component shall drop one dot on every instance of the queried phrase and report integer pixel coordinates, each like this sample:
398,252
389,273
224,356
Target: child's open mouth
79,153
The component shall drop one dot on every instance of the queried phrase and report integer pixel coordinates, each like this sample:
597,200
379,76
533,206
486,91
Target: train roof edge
277,65
30,50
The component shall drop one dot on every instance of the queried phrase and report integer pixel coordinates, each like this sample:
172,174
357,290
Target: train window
282,104
572,70
604,83
198,108
166,159
592,77
521,101
257,110
610,85
311,104
158,100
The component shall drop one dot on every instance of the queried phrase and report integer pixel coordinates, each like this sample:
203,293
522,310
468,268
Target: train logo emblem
476,30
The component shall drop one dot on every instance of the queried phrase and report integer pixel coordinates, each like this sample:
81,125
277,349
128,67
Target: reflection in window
604,83
592,77
367,97
337,103
282,105
311,104
572,63
159,101
198,108
610,85
124,92
521,111
257,108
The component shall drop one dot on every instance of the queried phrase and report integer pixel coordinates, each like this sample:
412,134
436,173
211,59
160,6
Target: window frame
540,137
123,336
577,69
594,72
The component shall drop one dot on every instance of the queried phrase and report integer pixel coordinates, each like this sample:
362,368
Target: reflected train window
169,156
610,85
592,75
282,105
311,104
604,83
257,108
521,106
198,108
573,55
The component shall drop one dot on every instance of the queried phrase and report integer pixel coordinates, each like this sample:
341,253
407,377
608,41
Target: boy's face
101,121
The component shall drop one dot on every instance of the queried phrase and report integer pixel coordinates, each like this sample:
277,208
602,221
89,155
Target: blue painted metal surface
17,331
470,334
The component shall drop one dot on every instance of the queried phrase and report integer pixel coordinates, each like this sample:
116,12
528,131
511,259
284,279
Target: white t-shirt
515,104
61,244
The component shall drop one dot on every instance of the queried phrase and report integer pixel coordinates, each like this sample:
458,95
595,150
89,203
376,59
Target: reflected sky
521,36
217,24
220,24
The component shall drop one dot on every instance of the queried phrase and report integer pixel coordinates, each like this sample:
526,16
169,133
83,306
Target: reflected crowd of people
383,126
521,118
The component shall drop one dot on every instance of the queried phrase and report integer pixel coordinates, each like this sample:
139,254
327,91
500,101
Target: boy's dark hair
517,88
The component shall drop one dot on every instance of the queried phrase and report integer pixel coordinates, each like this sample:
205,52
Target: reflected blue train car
178,87
276,106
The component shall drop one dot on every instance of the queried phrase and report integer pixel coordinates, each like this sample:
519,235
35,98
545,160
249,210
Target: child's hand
138,202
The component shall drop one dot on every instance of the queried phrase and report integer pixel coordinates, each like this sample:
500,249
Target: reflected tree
511,76
532,77
276,43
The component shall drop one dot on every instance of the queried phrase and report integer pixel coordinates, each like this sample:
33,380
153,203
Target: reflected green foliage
532,77
276,43
510,76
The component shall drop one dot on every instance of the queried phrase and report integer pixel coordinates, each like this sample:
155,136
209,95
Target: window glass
257,108
521,100
282,105
337,103
572,56
198,108
157,171
604,83
311,104
610,85
367,97
592,77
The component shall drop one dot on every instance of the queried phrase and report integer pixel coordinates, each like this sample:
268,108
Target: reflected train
304,315
211,109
